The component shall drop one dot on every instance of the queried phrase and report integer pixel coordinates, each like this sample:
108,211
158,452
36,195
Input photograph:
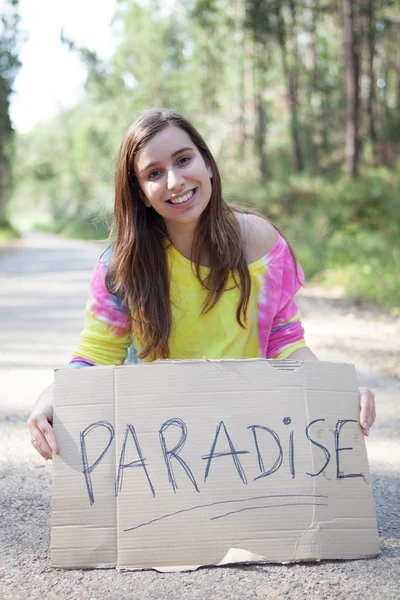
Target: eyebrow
153,164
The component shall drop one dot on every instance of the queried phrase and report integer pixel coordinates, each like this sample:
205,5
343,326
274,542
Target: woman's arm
303,354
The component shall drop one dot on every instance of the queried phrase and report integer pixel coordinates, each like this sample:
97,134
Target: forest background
299,101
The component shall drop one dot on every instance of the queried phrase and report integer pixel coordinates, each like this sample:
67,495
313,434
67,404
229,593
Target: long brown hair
138,270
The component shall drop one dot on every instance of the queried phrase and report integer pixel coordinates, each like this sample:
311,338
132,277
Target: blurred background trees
9,65
298,99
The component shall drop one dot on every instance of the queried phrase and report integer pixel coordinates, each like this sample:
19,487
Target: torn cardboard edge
234,557
223,410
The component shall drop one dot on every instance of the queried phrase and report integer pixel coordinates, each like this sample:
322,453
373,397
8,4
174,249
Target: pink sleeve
106,335
283,332
287,329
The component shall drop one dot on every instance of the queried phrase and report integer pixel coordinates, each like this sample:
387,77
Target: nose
175,180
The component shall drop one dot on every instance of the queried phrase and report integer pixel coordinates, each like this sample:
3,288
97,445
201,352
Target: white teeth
182,199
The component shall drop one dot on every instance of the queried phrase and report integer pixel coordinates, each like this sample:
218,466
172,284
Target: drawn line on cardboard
179,512
233,512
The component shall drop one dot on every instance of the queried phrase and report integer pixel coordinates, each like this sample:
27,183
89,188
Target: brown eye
183,160
153,174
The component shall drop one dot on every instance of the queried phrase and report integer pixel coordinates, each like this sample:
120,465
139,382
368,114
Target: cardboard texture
177,464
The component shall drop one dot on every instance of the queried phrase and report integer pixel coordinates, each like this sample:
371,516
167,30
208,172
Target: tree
9,65
290,65
258,21
371,102
352,41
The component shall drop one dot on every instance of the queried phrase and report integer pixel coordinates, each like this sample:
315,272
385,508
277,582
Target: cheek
151,190
208,185
145,196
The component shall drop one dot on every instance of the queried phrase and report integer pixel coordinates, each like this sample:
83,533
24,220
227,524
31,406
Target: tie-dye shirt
274,328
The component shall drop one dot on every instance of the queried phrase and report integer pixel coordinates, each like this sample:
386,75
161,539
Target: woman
187,276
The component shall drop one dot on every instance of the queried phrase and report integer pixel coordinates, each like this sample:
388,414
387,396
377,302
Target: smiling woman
163,160
188,276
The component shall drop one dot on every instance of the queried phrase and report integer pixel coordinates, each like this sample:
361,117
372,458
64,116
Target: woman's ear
210,171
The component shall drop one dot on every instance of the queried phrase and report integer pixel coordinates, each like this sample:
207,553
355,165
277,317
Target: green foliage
90,227
7,232
343,232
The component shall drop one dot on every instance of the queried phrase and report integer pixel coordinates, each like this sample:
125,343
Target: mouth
183,198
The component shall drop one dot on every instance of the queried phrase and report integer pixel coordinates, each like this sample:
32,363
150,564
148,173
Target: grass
364,264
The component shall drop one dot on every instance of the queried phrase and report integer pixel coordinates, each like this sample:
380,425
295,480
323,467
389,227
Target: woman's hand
367,409
367,397
40,425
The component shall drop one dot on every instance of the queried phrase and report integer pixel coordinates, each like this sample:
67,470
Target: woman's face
174,177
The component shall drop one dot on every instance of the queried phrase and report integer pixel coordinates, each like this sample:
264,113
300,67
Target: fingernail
365,425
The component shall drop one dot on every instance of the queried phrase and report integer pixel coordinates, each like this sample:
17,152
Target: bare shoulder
259,236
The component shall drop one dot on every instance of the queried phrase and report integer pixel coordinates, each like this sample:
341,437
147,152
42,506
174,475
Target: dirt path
43,288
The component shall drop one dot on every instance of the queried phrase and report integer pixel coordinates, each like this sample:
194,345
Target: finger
373,414
42,424
370,419
364,418
367,409
48,432
40,444
42,432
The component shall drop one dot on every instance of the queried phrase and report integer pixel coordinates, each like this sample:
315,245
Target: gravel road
43,289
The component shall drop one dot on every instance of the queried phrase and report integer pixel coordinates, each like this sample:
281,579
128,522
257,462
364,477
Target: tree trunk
317,125
241,15
397,68
261,133
260,122
371,104
353,108
314,45
4,187
291,75
5,147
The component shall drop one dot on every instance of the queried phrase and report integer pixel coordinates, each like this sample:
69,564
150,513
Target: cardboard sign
177,464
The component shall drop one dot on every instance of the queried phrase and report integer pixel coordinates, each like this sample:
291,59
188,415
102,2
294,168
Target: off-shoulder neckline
270,255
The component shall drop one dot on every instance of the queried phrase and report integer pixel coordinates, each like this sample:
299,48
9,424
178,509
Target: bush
7,231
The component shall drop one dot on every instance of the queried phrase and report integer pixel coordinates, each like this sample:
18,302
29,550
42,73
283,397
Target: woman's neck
182,238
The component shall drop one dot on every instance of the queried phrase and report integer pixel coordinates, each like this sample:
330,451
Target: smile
182,199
